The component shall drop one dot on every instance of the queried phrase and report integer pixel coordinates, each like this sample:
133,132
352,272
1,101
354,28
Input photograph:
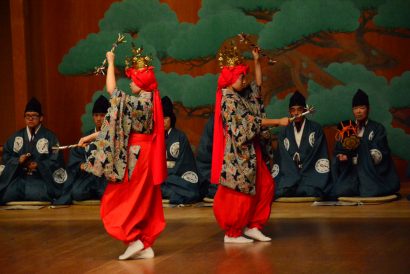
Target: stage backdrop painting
326,50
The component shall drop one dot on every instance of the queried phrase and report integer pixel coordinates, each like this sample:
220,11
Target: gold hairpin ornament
138,60
230,56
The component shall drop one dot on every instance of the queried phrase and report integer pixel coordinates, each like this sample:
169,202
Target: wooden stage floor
306,239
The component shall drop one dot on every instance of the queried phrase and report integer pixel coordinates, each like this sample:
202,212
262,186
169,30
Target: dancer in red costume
242,202
131,137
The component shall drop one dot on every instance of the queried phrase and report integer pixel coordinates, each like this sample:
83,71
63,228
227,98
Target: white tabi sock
147,253
133,248
256,234
237,240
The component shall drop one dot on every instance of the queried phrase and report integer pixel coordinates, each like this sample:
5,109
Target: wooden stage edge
396,209
305,239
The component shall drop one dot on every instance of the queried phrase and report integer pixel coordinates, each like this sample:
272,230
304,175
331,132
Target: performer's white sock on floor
237,240
147,253
133,248
256,234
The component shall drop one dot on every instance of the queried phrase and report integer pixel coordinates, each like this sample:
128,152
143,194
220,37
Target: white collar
365,124
302,127
298,135
145,94
361,131
227,90
35,132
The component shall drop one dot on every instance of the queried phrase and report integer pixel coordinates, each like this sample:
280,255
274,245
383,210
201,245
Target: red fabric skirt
132,210
235,210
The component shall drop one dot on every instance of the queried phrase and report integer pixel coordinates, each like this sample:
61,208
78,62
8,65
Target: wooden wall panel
53,28
7,107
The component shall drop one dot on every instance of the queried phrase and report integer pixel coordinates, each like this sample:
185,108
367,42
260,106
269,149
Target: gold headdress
138,61
230,56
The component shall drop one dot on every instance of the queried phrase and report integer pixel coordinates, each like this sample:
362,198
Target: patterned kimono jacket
108,153
46,182
302,170
182,183
369,170
242,115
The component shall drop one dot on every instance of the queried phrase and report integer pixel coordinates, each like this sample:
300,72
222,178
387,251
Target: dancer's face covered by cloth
142,79
234,77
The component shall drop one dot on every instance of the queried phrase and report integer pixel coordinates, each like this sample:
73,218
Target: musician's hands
110,57
24,158
342,157
32,166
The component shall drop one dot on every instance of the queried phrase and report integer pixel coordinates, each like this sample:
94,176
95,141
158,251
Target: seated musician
181,185
31,170
204,161
82,185
303,165
366,170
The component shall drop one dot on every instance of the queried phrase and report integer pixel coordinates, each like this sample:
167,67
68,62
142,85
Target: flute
309,110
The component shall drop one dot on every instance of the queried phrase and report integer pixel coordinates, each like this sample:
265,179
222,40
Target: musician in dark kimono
31,170
302,168
181,185
368,170
204,161
82,185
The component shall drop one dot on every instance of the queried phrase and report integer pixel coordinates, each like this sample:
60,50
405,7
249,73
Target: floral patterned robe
242,115
108,153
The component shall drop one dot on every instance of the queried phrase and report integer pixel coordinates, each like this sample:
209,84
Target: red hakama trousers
132,210
235,210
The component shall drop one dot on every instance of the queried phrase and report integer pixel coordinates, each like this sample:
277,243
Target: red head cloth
145,79
228,76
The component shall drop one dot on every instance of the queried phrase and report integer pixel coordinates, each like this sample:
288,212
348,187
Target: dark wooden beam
19,56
